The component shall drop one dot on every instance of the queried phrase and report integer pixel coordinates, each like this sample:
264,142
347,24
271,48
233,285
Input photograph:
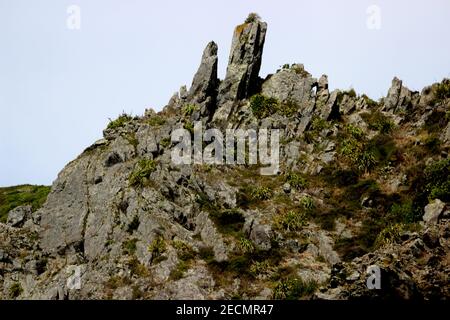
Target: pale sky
58,87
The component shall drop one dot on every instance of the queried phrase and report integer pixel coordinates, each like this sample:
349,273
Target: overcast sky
59,86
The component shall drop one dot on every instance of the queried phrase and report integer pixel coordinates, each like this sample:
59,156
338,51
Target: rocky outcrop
123,221
243,66
204,86
433,211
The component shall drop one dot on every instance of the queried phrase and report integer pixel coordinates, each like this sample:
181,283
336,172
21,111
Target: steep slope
359,183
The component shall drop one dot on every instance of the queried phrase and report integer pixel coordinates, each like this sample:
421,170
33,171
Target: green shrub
403,212
157,247
351,93
15,290
141,174
189,109
370,103
132,139
184,251
391,234
263,106
442,91
129,246
122,120
376,120
290,221
288,108
156,121
307,202
179,271
296,181
438,180
293,289
245,245
260,267
354,131
137,268
318,124
13,197
360,155
189,126
261,193
165,142
252,17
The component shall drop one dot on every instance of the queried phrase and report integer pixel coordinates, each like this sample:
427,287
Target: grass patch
15,290
156,121
141,174
129,246
293,289
13,197
263,106
157,248
290,221
121,121
376,120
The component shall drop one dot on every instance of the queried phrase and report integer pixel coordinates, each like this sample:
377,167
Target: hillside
359,183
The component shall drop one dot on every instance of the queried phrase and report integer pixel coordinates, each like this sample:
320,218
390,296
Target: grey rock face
243,66
205,83
292,85
393,96
18,216
433,211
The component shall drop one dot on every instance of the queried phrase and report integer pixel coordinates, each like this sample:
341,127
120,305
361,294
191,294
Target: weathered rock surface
122,221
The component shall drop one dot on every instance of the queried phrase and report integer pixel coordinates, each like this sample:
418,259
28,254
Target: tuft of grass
179,271
437,179
442,91
157,248
245,245
370,103
141,174
189,109
307,203
261,193
15,290
290,221
293,289
263,106
296,181
252,17
129,246
156,121
121,121
13,197
189,126
390,234
165,142
376,120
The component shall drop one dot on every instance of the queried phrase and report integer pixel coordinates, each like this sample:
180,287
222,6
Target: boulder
18,216
433,211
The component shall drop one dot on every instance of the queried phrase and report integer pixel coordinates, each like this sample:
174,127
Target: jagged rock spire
204,85
243,65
